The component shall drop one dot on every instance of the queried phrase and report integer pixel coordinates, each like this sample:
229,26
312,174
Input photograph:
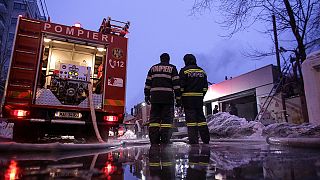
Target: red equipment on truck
51,70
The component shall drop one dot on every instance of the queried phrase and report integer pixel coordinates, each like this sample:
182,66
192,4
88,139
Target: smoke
224,60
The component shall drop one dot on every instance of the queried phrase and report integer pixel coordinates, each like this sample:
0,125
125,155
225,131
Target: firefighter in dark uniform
161,162
199,158
194,85
161,88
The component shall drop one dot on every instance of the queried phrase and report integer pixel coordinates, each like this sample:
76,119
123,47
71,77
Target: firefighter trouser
161,164
161,117
196,123
198,162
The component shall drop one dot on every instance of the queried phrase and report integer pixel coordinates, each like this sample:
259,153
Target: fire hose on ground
303,142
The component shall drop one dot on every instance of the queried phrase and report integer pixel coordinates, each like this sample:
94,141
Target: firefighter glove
147,99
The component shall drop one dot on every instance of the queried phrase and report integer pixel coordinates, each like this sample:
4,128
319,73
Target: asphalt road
219,160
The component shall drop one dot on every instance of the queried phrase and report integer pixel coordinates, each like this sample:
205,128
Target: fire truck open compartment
66,70
52,70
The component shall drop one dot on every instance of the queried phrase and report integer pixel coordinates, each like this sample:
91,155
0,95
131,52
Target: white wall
260,79
311,77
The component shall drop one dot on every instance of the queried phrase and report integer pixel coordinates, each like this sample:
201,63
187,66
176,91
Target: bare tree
299,17
3,58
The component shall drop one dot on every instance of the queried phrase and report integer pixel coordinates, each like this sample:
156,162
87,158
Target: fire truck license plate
68,114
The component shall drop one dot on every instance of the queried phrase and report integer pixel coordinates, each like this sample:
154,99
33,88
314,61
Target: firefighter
161,162
199,158
161,88
215,110
194,85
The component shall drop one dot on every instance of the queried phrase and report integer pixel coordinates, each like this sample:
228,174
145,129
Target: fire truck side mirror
132,112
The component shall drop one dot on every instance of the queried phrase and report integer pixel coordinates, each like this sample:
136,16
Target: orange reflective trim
17,94
112,102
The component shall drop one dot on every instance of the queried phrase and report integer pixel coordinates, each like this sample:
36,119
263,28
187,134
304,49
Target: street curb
13,146
295,142
238,140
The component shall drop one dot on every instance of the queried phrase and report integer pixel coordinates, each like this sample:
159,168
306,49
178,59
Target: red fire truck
51,70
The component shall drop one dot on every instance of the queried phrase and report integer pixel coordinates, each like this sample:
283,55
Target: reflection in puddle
177,161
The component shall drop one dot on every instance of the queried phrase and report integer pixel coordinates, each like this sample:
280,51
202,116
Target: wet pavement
225,160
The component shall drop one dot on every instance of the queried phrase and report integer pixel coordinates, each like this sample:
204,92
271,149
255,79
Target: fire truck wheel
90,136
104,132
24,133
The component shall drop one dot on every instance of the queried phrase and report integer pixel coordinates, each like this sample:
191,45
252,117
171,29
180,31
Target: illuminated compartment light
47,40
100,49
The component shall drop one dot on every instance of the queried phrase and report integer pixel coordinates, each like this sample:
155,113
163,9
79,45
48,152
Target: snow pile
224,125
128,135
291,130
6,130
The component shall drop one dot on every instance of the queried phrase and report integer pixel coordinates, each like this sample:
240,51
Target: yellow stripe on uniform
192,163
192,94
193,70
166,125
154,125
202,124
166,163
205,89
154,164
203,164
191,124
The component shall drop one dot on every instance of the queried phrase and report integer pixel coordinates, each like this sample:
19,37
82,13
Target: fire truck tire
104,132
24,133
90,135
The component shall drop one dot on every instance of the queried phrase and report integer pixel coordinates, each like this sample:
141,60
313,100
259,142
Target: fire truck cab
51,71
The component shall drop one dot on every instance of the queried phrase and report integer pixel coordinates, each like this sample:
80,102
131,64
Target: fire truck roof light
78,25
47,40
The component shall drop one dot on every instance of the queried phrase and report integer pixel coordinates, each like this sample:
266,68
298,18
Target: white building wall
311,77
260,79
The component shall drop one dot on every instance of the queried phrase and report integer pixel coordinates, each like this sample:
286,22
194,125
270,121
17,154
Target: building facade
248,92
9,12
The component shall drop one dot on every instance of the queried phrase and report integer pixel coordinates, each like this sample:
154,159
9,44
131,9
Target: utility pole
283,101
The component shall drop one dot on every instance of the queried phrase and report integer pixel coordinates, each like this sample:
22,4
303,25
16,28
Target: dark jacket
162,83
193,83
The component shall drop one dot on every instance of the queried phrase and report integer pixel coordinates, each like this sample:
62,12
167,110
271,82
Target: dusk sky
167,26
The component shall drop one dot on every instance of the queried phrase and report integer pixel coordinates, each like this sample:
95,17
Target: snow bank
291,130
128,135
6,129
224,125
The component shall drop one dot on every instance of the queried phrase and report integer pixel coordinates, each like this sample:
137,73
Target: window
2,19
4,3
19,6
11,36
208,108
14,21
